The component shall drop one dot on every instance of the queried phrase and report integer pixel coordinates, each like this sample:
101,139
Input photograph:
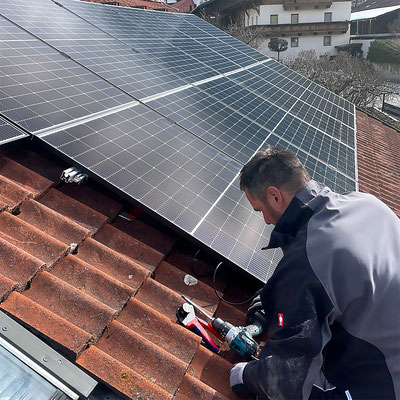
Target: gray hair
273,166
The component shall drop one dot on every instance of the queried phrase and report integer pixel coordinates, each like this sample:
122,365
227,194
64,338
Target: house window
273,19
256,19
294,42
327,40
295,18
328,17
252,20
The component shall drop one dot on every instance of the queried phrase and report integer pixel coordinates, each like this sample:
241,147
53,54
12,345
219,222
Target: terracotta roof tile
39,163
192,388
30,239
147,234
99,202
73,209
24,177
122,378
11,195
160,298
70,303
378,150
161,331
200,293
112,263
70,337
52,223
139,252
203,367
93,282
17,266
142,356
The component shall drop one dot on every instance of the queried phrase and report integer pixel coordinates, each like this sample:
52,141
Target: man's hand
255,306
236,380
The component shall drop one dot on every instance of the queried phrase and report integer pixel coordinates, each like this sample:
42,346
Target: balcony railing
290,4
279,29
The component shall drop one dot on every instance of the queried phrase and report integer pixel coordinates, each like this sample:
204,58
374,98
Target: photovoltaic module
166,109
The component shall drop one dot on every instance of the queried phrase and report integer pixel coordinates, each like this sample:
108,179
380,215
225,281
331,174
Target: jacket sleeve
298,309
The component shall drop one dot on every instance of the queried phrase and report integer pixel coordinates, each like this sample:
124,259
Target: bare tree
250,35
353,78
278,45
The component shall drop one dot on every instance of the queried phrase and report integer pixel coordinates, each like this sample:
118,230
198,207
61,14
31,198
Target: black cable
209,273
226,301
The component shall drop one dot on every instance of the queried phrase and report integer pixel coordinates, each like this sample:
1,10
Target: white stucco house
318,25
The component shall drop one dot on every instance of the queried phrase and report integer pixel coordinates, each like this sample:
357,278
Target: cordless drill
239,338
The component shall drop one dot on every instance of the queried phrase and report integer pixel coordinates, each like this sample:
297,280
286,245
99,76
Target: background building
318,25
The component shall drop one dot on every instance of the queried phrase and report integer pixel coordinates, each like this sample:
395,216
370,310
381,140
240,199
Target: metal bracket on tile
73,175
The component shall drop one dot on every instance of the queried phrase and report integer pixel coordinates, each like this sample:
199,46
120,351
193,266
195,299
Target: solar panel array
167,109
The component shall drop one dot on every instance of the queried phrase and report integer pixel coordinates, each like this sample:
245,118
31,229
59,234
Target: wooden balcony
291,4
291,29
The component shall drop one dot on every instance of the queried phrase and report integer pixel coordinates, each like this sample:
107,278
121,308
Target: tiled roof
144,4
372,4
184,5
378,151
109,306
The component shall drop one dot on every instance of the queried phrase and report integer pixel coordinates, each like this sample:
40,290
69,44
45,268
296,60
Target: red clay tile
17,265
25,177
39,163
146,234
52,223
73,209
6,287
119,376
129,246
112,263
30,239
203,367
200,293
11,194
72,338
144,357
93,282
70,303
92,199
157,328
191,388
160,298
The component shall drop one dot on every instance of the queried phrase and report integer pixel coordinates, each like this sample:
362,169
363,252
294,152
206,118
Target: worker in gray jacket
333,303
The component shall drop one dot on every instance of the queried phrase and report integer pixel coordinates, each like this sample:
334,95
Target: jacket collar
296,215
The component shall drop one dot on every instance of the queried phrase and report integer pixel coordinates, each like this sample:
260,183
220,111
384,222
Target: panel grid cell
9,132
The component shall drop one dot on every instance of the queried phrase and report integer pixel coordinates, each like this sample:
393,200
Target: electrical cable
226,301
209,273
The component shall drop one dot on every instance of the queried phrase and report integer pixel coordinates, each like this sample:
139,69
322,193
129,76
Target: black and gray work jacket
333,302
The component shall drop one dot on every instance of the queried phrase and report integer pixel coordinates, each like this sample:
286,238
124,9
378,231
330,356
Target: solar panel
212,121
9,132
41,88
151,159
166,109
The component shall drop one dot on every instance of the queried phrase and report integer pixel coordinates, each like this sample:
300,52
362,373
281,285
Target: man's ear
275,196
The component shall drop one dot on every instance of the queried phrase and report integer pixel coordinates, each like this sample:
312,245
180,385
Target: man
333,303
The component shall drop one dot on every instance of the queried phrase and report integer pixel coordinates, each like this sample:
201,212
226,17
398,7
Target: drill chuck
221,327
